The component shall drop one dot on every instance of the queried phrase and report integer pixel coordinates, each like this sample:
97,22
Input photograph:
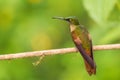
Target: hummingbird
82,41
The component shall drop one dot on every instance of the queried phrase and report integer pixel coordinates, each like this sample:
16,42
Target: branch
55,51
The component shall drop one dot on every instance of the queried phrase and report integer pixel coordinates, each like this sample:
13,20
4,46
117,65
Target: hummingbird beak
61,18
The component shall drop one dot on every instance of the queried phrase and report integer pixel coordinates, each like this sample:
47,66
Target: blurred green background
27,25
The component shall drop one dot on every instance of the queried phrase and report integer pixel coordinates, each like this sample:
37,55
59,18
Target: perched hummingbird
82,41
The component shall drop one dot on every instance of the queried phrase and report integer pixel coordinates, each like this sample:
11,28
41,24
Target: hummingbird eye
71,20
67,20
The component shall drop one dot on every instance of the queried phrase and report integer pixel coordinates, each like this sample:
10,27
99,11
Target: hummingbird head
71,19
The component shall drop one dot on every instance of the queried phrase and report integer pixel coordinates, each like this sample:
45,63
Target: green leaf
111,36
99,10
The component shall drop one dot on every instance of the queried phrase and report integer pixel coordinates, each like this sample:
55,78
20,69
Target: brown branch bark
55,51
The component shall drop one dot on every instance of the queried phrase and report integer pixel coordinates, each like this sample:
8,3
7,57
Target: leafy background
27,25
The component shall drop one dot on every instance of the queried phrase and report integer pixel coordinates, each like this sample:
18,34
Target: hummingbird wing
88,67
86,52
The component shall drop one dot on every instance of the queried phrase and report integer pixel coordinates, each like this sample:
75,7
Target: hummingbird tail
89,69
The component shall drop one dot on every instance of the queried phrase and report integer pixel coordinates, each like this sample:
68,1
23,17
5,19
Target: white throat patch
72,27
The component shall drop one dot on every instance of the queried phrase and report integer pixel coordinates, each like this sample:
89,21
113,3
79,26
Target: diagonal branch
55,51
